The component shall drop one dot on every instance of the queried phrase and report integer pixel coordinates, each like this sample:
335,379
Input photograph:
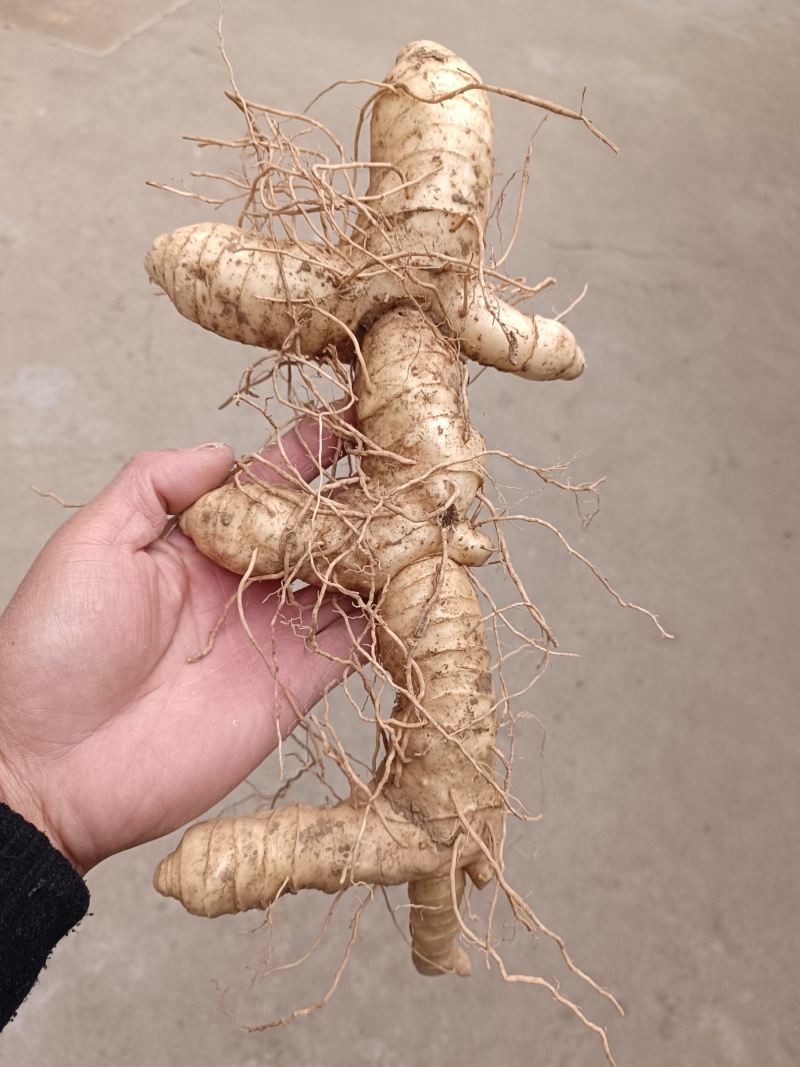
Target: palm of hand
116,735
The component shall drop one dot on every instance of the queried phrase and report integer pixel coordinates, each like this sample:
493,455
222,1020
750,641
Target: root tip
164,876
577,367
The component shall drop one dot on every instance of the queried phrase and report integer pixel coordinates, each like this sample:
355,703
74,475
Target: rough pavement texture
669,854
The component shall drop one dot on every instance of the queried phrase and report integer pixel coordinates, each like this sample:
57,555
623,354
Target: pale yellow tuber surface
421,243
388,300
417,558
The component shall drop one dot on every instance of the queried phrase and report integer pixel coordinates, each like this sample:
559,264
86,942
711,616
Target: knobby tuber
385,292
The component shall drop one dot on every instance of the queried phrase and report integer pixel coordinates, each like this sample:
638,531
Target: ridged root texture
387,304
409,404
419,238
440,766
407,833
434,927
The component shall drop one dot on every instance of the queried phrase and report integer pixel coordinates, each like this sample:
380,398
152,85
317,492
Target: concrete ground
669,855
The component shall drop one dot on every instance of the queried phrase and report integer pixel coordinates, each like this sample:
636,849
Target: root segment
384,302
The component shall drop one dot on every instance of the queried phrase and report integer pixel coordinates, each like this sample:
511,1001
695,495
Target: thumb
133,509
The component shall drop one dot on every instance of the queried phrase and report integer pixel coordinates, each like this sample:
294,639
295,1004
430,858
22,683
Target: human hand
109,736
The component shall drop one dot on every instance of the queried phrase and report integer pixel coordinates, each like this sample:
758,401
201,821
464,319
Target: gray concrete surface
88,25
669,854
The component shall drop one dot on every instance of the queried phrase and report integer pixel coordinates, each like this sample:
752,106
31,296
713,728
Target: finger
303,617
310,605
334,654
307,450
324,663
133,510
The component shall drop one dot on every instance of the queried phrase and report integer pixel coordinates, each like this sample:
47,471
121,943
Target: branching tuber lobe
449,700
400,297
421,243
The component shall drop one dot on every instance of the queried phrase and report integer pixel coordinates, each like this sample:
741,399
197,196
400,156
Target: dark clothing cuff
42,897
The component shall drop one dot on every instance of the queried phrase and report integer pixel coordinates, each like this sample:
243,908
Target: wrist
18,795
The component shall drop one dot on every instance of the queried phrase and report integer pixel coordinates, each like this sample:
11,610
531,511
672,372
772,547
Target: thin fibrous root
496,519
491,953
54,496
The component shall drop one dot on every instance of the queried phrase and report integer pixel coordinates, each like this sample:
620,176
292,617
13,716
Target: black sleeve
42,897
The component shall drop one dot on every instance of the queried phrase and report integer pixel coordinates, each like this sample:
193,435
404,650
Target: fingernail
208,444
